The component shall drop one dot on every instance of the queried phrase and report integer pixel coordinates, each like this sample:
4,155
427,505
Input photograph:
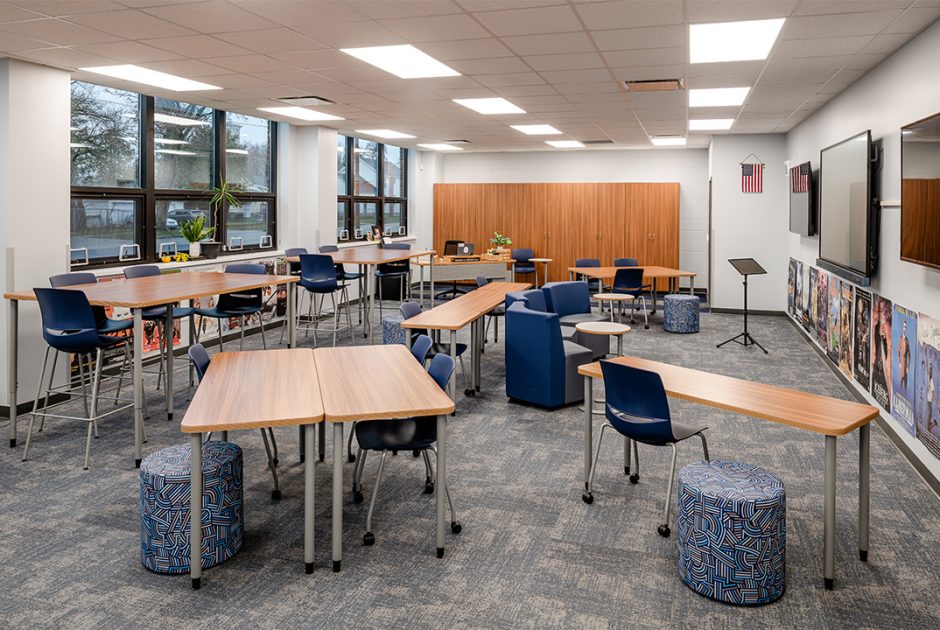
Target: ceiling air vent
656,85
596,142
459,141
306,101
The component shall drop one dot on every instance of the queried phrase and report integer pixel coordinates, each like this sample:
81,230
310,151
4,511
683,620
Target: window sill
221,260
400,239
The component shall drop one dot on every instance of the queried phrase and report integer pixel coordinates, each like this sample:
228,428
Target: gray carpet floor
531,554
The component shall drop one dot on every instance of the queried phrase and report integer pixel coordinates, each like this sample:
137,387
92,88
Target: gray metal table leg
588,426
864,469
370,288
337,496
12,365
453,355
441,482
431,273
138,385
291,317
829,535
168,330
195,509
309,499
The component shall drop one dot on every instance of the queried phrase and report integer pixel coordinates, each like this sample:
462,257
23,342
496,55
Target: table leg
588,426
12,365
309,499
441,489
691,285
195,509
453,355
370,288
481,330
168,333
138,385
864,468
407,337
431,273
619,345
291,317
337,496
829,527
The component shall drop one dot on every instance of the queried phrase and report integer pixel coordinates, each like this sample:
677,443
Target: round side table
605,328
545,262
611,299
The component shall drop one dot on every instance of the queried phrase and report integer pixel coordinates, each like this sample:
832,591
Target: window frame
380,200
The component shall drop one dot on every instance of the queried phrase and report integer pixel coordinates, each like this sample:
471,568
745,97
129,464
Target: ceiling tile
130,52
381,9
273,40
586,88
131,25
313,59
466,49
742,70
830,26
215,16
251,63
824,47
236,80
303,12
496,5
556,19
68,58
199,46
490,66
57,32
10,43
355,74
673,35
736,10
571,61
806,64
823,7
60,8
516,78
436,28
649,73
886,43
550,44
10,13
914,20
351,35
646,57
630,13
576,76
190,68
509,91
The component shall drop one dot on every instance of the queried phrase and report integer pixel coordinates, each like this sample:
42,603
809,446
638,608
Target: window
376,174
142,166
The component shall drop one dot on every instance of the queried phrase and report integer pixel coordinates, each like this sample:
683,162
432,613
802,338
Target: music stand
746,267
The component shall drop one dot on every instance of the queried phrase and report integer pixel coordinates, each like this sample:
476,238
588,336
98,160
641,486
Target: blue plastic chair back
567,298
318,273
326,249
409,309
442,366
71,279
625,262
397,246
420,346
295,251
523,255
482,281
629,280
200,359
141,271
636,403
587,262
247,300
68,321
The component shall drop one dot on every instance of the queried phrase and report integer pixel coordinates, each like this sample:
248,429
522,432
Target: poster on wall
833,328
791,287
822,303
862,362
845,330
903,365
926,405
812,308
803,313
881,351
798,290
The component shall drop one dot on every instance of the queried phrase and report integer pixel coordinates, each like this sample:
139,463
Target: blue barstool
243,305
318,277
400,270
342,276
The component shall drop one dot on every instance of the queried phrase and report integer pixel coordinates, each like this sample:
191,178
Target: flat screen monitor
802,219
920,192
846,206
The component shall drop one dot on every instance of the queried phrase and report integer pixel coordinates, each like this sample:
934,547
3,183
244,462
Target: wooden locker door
662,227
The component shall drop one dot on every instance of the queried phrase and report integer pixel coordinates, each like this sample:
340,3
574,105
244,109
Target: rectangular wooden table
137,294
469,308
449,269
650,273
254,390
361,383
827,416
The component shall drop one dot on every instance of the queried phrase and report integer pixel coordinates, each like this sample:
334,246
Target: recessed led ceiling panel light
709,124
440,146
403,61
139,74
537,130
301,113
718,97
565,144
175,152
733,41
179,120
163,141
387,134
237,151
668,141
490,106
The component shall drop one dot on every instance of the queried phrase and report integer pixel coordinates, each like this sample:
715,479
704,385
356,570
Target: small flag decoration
799,178
752,178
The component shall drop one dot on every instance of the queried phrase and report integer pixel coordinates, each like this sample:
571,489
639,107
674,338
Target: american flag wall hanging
752,178
799,178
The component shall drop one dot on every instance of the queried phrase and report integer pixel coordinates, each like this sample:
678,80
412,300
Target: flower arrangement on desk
180,257
500,242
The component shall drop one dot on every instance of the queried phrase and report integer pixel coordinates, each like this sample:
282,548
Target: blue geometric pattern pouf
732,532
392,331
681,313
164,506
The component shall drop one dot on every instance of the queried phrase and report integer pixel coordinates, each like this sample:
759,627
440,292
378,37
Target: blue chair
420,348
637,408
494,315
571,301
243,305
541,367
411,309
400,270
343,276
106,325
69,325
318,276
201,361
412,434
633,262
533,298
593,283
630,282
522,262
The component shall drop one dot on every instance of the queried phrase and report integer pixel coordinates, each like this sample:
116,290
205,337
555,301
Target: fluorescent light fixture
78,145
733,41
73,128
707,124
718,97
403,61
440,146
174,152
139,74
489,106
166,141
387,134
565,144
668,141
237,151
301,113
537,130
906,132
179,120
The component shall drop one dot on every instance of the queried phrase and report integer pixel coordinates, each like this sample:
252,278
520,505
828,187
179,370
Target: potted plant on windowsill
222,195
500,243
194,231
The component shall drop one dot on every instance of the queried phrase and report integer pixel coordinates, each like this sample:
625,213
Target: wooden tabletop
376,382
370,255
541,260
460,311
602,328
812,412
649,272
251,390
166,288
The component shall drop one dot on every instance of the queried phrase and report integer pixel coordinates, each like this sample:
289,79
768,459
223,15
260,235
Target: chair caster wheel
456,527
635,478
416,453
469,392
350,458
664,531
357,496
647,327
588,498
428,487
626,470
275,495
369,539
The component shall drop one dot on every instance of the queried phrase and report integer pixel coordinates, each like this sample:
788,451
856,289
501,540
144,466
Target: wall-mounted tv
802,208
920,192
848,209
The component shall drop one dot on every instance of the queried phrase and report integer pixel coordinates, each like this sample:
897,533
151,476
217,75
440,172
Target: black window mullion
148,226
218,175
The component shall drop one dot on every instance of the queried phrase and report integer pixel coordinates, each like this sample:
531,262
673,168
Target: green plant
222,195
499,240
196,229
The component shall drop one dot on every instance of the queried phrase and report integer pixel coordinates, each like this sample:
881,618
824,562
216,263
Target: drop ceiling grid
562,60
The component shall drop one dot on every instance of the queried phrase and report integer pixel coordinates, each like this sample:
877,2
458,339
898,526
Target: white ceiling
563,61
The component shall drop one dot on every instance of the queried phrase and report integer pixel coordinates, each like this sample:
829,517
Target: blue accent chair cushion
164,506
681,313
571,301
392,332
732,532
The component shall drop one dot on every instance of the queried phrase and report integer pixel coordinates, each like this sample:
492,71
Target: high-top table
362,383
651,274
830,417
254,390
463,268
469,308
137,294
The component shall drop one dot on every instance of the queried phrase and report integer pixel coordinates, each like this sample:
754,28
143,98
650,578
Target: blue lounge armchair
571,301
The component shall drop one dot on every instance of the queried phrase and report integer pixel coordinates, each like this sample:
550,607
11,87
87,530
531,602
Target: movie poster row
891,351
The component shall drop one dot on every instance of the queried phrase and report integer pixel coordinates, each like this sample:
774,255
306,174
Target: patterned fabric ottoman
681,313
391,329
732,532
164,506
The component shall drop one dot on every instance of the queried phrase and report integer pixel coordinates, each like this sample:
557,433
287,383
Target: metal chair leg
124,363
357,475
588,497
264,343
219,323
349,453
96,385
369,538
704,446
335,317
428,473
646,320
663,529
276,493
380,299
273,443
55,360
42,374
241,333
81,376
352,337
455,526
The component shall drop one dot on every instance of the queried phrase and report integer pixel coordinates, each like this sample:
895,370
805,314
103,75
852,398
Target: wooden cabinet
565,221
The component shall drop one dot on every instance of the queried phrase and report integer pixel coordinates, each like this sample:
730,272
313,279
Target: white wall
688,167
749,225
34,198
900,90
